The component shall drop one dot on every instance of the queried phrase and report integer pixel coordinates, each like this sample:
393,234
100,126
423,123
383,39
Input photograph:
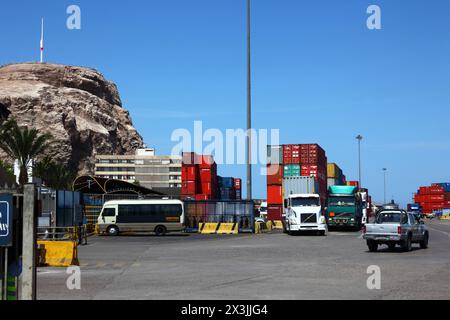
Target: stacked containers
238,188
335,176
431,198
290,161
314,163
199,177
189,175
276,155
226,188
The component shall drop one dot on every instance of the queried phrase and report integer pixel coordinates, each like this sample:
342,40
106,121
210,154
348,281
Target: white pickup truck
395,227
304,213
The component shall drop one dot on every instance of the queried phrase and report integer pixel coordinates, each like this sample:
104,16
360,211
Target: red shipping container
206,162
274,194
189,173
436,198
353,183
208,188
208,175
274,212
274,174
189,158
287,154
237,183
447,196
424,191
202,197
436,190
189,187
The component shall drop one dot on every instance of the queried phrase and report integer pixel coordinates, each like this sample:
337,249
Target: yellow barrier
208,228
444,218
278,224
228,228
269,225
258,227
60,253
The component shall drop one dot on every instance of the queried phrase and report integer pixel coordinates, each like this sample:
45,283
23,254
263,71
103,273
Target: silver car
396,227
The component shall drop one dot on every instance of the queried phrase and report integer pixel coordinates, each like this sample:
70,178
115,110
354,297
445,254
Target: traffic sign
6,217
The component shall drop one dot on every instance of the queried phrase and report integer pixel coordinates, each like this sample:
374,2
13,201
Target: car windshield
305,202
391,217
341,201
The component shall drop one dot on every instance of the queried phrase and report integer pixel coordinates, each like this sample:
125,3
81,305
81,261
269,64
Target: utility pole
249,107
384,171
359,138
28,290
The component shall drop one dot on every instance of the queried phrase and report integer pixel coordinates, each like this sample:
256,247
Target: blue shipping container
225,182
445,185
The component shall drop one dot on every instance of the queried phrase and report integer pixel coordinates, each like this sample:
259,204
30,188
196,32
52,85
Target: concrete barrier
208,228
228,228
60,253
263,227
278,224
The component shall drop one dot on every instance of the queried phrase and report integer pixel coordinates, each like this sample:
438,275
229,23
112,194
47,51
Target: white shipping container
300,185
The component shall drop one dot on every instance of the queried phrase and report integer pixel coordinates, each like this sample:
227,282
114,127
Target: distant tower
42,41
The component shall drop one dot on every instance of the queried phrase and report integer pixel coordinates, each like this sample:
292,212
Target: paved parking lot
267,266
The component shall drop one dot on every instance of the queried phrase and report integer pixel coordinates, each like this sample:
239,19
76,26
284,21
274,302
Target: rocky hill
78,106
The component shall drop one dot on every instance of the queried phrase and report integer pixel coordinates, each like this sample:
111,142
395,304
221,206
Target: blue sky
319,75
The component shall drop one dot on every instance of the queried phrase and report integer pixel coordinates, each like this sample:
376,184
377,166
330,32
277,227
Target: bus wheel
160,230
113,231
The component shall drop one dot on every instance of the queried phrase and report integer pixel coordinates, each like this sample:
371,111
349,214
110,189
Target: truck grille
308,218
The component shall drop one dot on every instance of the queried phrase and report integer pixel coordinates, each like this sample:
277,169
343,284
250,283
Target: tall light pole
359,138
384,171
249,107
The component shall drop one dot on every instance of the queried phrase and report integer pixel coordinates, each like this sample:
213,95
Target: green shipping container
292,170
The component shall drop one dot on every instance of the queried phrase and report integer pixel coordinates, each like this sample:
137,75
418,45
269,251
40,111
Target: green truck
344,207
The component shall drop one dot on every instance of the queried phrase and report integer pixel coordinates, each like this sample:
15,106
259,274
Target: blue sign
6,217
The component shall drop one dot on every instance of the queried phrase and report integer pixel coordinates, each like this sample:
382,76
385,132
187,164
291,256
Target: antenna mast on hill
42,41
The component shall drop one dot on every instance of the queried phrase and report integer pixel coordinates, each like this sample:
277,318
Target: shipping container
300,185
189,187
238,194
189,172
445,185
227,194
274,194
274,212
274,174
189,158
225,182
292,170
274,154
238,184
333,171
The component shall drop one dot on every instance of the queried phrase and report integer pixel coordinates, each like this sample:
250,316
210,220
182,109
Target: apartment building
162,173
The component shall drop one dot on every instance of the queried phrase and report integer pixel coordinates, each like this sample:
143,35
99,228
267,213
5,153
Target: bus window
109,212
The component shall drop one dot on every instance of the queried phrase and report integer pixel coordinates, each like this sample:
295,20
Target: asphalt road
267,266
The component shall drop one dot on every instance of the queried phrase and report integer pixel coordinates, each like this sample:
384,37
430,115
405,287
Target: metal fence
241,212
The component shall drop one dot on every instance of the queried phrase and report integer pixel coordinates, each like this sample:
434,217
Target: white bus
158,216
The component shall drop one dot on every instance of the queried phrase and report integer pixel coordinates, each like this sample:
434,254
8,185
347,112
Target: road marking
136,265
446,233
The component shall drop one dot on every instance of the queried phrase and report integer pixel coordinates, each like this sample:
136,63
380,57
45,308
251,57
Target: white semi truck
304,213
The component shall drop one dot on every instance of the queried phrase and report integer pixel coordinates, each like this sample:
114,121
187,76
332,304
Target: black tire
112,231
391,246
407,244
373,246
321,233
424,242
160,231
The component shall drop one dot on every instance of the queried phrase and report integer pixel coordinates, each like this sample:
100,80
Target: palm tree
53,174
22,144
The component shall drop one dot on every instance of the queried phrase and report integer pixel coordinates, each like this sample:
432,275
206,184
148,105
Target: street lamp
249,108
384,171
359,138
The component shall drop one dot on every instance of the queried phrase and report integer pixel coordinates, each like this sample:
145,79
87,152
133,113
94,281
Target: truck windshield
341,201
390,217
305,202
262,209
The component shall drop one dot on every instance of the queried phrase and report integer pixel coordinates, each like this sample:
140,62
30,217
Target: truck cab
345,207
303,212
